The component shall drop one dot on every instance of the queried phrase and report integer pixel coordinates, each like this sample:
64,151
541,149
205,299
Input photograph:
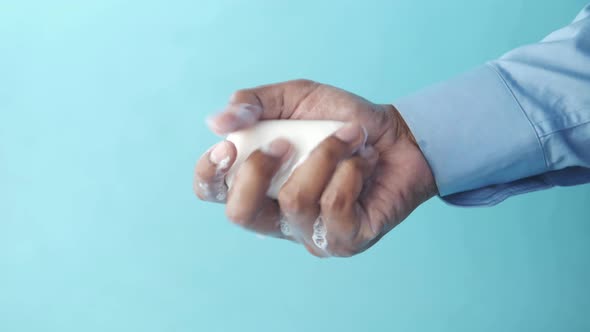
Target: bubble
222,166
284,226
319,234
221,196
204,189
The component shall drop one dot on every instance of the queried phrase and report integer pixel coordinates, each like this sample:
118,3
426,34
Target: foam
204,188
284,226
319,234
221,196
222,166
219,190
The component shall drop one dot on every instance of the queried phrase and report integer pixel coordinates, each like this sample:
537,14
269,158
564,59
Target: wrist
423,172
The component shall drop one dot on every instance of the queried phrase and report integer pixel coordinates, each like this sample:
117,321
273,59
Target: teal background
101,121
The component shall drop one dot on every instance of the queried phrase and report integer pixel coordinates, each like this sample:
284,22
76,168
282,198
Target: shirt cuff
473,132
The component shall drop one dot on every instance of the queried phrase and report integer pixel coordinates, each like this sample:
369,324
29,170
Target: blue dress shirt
516,124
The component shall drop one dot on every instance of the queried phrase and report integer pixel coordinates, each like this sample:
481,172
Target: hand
358,187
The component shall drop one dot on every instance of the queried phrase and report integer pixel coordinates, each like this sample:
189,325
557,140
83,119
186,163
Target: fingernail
234,117
277,148
349,133
219,155
213,123
246,114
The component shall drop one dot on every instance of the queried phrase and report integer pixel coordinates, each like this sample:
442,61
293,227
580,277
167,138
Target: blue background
101,120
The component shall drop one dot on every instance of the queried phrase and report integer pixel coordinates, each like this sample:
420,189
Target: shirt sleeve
514,125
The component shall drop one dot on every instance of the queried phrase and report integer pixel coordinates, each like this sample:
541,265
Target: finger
340,208
209,183
299,197
267,221
273,101
248,204
234,117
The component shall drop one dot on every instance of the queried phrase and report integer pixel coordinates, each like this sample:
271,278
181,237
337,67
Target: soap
305,135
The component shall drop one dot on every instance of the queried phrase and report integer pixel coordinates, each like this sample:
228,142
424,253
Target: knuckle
341,248
238,216
343,251
342,234
375,230
335,200
293,201
238,219
241,95
304,82
313,252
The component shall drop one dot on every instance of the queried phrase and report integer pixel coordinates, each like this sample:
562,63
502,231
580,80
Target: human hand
359,185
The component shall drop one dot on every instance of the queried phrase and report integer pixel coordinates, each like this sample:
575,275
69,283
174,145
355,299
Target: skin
361,185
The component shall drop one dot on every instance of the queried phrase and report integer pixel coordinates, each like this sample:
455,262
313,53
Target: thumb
272,101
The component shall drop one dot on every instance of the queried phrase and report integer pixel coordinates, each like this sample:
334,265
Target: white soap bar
305,135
